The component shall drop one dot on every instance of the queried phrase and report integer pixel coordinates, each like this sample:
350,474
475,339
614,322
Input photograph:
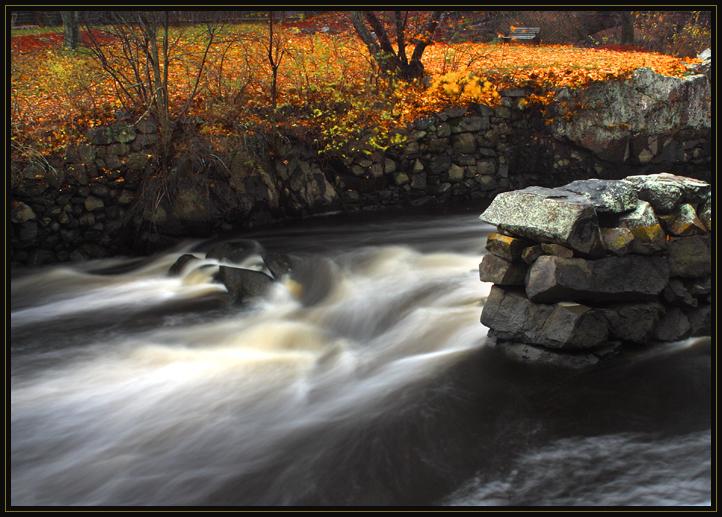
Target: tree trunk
71,29
627,28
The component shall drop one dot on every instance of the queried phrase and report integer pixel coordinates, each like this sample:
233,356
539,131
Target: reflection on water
130,387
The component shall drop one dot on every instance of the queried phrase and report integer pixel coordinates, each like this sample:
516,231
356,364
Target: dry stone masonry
85,204
581,269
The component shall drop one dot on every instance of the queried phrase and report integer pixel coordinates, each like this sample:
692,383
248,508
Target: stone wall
84,205
580,269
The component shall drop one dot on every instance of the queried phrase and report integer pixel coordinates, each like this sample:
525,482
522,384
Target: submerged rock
235,251
243,284
180,264
565,325
547,215
553,279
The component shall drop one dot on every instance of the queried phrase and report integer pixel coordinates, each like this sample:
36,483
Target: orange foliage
328,84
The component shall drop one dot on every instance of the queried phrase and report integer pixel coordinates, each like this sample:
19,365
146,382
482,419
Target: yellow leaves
327,82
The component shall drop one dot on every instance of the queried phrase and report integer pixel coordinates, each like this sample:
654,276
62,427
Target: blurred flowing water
130,387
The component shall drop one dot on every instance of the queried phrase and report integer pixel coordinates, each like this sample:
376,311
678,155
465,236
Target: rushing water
129,387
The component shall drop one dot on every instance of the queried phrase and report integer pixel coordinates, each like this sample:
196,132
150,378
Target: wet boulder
547,215
235,251
243,284
552,279
177,268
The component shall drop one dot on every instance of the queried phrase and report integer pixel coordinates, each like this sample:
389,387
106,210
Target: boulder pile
581,269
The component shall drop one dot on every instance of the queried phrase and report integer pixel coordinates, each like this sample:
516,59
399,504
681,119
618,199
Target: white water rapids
130,387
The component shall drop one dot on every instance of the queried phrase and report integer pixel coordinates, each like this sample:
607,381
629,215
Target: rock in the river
614,196
279,264
690,257
547,215
236,251
243,284
552,279
526,353
649,237
180,264
565,325
506,247
665,191
501,272
673,326
633,322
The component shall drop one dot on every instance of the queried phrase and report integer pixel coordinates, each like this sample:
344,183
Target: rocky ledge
580,270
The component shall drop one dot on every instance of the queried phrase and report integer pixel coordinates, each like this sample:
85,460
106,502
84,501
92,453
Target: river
130,387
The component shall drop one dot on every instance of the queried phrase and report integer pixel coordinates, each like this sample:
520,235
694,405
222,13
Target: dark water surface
130,387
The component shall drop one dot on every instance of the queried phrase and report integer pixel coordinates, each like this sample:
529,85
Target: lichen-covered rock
683,222
547,215
633,322
565,325
553,279
501,272
617,240
690,257
507,247
616,111
666,191
649,236
613,196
